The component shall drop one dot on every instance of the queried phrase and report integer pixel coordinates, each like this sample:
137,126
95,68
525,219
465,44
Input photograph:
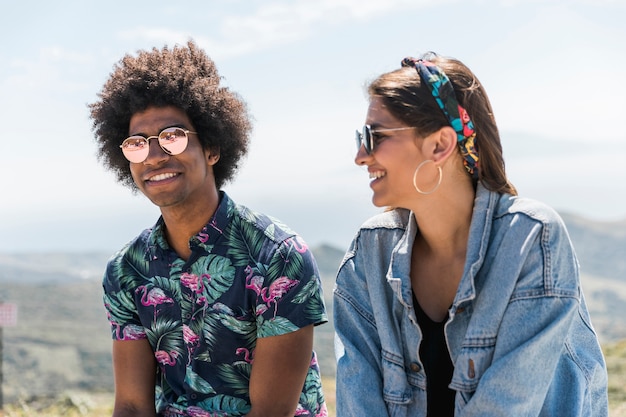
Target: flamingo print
130,331
193,411
247,355
194,282
166,358
299,244
253,282
277,289
203,237
154,297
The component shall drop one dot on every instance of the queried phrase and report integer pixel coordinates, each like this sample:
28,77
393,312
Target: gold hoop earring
415,178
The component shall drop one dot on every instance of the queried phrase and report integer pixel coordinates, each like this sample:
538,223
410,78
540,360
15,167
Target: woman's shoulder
533,210
393,218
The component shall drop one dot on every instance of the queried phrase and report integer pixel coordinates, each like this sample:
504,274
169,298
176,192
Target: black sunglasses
366,137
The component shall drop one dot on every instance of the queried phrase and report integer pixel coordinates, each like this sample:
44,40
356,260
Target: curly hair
184,77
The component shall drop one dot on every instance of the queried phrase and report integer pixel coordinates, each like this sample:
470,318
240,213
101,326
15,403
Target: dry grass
101,405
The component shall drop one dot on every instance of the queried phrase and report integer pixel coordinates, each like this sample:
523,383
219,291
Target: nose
361,156
156,154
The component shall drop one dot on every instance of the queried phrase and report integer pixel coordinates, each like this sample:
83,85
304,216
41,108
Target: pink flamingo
213,224
154,297
247,355
299,244
191,340
193,411
133,332
130,332
203,237
193,282
166,358
323,411
253,282
189,336
277,289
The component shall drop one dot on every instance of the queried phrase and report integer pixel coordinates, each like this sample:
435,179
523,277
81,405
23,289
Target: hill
62,339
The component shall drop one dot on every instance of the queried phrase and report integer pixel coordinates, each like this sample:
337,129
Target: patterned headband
443,92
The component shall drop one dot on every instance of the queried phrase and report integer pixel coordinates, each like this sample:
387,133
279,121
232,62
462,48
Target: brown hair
411,102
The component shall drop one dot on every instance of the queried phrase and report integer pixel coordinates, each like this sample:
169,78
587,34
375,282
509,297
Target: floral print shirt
248,277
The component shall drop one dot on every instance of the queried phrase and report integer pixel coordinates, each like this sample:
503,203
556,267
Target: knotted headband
442,90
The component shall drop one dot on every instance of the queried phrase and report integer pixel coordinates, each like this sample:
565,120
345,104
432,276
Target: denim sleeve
531,339
357,348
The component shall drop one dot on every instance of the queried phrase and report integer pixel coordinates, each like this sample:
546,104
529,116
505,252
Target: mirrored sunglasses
173,141
365,138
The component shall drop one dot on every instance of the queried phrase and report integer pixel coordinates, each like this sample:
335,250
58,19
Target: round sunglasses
173,141
366,137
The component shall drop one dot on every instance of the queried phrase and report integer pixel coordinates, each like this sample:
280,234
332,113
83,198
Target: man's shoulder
259,223
137,247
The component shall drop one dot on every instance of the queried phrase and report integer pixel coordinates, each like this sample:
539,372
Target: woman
461,299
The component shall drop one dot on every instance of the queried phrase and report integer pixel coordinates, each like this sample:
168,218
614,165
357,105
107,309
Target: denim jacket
518,331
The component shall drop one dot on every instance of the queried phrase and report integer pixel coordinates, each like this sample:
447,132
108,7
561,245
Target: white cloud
269,25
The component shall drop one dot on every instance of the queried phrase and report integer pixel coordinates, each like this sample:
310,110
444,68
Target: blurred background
553,69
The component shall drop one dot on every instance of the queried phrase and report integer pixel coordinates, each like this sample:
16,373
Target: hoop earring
415,177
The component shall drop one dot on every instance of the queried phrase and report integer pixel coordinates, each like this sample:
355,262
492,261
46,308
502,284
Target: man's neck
182,223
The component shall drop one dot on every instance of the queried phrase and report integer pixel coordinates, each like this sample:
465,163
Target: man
212,309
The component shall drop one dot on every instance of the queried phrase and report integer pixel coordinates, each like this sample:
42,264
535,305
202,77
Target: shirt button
415,367
471,373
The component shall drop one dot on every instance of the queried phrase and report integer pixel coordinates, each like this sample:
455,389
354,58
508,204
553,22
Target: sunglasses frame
366,137
158,138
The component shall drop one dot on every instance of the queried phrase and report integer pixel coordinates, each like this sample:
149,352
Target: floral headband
443,92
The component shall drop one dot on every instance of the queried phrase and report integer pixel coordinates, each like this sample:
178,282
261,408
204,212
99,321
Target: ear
212,156
441,144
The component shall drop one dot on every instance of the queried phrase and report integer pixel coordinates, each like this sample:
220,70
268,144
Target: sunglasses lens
135,148
364,139
367,139
173,140
359,140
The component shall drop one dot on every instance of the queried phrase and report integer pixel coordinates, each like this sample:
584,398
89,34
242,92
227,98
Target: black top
437,365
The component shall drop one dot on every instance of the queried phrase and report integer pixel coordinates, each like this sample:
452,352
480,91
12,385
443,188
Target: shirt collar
206,237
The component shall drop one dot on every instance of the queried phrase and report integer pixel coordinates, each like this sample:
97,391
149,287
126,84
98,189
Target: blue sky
554,71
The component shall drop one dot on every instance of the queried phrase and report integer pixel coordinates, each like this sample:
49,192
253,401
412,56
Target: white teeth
161,177
377,174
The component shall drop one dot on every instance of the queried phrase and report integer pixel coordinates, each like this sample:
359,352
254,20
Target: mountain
62,339
600,246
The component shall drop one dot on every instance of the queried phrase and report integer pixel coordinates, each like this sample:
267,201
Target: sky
554,72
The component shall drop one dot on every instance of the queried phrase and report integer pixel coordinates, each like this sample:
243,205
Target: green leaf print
286,262
210,330
221,275
246,241
276,327
310,294
236,376
165,335
122,304
310,396
231,406
197,383
132,267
